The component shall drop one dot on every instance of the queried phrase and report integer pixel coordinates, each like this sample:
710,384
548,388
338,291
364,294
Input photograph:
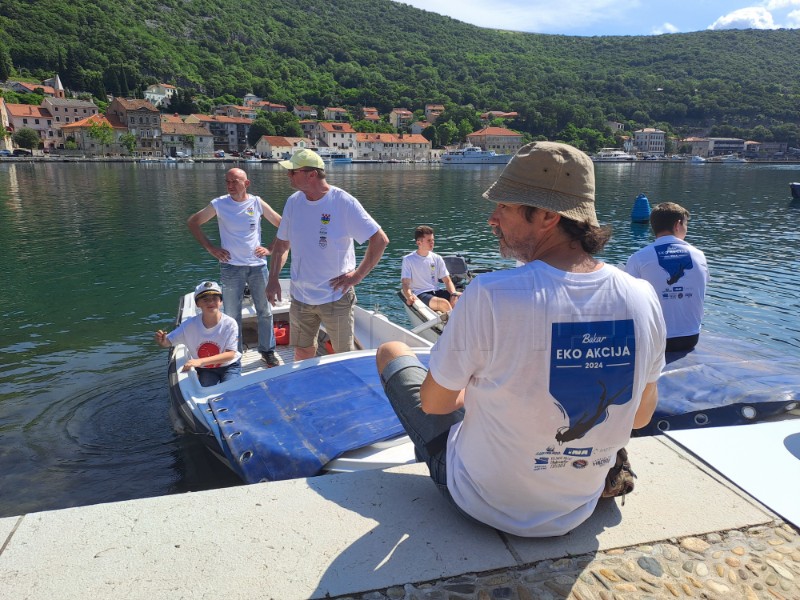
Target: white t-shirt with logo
423,271
202,342
240,228
321,234
554,365
679,274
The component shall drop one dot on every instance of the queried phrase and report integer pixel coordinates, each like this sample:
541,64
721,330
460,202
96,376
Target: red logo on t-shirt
207,349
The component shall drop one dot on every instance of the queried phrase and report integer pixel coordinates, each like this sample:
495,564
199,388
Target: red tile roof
27,110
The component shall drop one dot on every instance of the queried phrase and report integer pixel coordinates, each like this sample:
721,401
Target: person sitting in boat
422,271
211,338
552,363
677,271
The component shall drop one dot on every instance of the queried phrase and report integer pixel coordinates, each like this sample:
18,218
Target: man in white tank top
240,253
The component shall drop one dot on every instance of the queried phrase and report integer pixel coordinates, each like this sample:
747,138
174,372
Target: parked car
219,154
22,152
5,152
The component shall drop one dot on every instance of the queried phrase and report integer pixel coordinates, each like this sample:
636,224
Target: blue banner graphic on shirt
675,260
591,368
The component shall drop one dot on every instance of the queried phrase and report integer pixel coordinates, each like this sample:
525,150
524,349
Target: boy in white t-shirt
211,338
422,271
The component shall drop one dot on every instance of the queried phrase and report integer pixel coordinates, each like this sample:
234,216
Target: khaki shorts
337,317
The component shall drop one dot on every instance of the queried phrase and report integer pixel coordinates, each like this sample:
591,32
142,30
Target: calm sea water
97,255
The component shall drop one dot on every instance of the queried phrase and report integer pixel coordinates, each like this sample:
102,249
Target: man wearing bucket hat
319,223
211,338
543,370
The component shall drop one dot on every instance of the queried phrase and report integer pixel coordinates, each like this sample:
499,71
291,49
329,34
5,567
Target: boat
473,155
300,419
612,155
794,188
330,156
697,160
425,321
728,159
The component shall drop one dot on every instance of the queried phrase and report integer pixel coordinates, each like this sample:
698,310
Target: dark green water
97,255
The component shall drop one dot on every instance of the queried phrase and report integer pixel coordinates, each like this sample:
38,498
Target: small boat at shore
473,155
331,156
697,160
320,415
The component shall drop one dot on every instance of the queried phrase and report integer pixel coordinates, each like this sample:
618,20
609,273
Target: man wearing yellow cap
319,223
543,370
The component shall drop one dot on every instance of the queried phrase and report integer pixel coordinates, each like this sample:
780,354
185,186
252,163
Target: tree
128,141
103,133
6,66
26,138
260,127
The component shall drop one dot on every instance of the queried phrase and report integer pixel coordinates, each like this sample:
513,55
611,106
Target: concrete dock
684,532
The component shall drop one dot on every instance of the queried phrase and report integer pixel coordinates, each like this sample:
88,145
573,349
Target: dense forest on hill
384,54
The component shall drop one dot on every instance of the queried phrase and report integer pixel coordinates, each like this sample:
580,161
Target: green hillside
384,54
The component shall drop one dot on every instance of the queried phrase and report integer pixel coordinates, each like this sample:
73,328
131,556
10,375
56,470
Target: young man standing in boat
319,223
543,370
677,271
211,338
242,257
421,272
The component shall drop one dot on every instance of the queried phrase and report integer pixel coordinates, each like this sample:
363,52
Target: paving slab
675,496
6,527
312,538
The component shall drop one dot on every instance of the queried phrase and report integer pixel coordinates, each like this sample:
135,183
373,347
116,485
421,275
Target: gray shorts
402,379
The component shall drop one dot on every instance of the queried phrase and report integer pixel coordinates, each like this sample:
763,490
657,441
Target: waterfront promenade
685,532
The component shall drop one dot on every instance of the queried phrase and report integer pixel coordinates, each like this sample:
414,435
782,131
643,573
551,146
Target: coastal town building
80,132
615,127
400,118
32,88
371,114
232,110
65,111
160,94
391,146
334,113
269,106
418,127
5,140
499,139
38,118
186,139
432,112
765,150
276,146
229,133
142,119
305,112
696,146
724,146
650,141
336,135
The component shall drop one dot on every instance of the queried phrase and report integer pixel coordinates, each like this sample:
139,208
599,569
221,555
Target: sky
618,17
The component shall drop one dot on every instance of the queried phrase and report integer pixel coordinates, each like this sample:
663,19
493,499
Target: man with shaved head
240,253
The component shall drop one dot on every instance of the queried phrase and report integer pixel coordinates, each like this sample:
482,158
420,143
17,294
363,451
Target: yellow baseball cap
303,158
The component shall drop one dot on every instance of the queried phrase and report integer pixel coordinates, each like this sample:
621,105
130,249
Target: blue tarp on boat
724,381
292,425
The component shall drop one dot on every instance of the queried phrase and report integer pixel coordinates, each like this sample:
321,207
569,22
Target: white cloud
780,4
752,17
665,28
793,20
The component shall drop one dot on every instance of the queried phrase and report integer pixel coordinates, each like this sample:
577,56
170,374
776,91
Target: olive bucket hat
549,175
